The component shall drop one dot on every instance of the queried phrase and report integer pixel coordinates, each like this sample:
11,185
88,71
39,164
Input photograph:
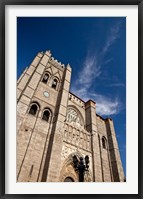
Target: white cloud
91,71
105,105
81,92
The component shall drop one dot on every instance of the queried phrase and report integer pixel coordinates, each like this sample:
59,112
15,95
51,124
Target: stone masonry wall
104,153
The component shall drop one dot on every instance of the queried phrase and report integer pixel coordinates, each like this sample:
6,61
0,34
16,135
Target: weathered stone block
21,108
34,80
40,69
36,61
23,82
30,70
29,92
44,60
18,93
24,99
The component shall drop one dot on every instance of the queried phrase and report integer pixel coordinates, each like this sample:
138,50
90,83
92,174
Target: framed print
71,99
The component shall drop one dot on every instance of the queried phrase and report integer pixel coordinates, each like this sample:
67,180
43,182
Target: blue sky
95,48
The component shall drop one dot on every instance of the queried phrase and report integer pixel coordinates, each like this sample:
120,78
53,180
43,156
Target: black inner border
3,3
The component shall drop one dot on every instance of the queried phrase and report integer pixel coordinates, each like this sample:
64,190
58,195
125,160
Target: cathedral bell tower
42,94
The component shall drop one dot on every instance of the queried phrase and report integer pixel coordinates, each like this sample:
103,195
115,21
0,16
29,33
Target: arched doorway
68,173
68,179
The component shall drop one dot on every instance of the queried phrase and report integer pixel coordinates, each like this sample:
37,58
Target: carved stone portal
68,172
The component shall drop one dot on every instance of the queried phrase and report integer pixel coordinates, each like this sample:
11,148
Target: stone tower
53,125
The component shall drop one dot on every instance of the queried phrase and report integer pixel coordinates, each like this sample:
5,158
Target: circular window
68,179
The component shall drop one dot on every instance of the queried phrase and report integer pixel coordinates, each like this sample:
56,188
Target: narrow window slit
31,170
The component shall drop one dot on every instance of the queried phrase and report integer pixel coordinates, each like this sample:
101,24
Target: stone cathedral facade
53,125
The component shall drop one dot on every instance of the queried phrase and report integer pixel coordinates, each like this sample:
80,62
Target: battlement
76,100
56,63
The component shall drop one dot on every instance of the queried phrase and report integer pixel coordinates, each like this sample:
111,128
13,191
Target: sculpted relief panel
74,131
66,151
67,169
77,137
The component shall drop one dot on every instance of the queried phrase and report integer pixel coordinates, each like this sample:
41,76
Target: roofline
76,96
92,101
104,118
80,98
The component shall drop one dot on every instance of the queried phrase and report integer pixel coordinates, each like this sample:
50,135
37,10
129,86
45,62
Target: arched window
104,144
68,179
54,83
33,109
46,115
45,78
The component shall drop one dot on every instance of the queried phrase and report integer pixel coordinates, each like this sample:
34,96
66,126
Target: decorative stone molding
77,137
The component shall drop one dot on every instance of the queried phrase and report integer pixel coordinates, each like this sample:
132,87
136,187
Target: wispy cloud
107,61
113,36
91,71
